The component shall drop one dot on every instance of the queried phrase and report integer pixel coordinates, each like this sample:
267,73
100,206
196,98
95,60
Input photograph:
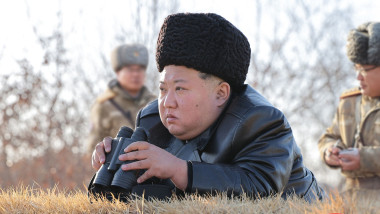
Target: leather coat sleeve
261,156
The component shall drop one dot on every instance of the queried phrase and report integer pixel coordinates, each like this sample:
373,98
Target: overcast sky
16,34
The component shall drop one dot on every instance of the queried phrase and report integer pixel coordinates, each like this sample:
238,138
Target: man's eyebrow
179,80
175,81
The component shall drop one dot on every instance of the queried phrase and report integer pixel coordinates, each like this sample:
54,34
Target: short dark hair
204,76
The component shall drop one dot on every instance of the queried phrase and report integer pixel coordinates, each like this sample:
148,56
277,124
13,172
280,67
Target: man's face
188,105
131,78
369,79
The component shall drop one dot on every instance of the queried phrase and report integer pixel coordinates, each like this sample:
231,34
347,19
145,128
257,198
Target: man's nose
170,100
359,76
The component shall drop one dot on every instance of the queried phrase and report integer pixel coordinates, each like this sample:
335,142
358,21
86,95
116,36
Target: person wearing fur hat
352,142
208,131
125,95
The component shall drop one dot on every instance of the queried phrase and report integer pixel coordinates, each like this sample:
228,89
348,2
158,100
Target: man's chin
177,133
174,131
363,91
366,93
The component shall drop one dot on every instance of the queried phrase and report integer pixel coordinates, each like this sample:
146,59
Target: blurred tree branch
300,66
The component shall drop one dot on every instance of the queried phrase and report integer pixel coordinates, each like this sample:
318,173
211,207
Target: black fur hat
363,44
205,42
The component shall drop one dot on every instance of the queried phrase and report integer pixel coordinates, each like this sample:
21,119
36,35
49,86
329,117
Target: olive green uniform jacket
106,118
357,125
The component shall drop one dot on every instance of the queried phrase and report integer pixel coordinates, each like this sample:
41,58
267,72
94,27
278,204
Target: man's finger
141,164
134,155
335,150
95,161
107,144
144,176
138,145
100,152
346,165
332,159
345,156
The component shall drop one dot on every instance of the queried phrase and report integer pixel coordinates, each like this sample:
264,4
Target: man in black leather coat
218,134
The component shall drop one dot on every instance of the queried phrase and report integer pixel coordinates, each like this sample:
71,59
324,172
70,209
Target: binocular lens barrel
110,173
124,179
127,179
104,176
124,133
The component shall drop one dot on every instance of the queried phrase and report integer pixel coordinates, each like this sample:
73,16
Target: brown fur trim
108,94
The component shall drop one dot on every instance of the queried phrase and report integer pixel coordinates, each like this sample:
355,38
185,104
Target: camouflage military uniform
106,118
363,112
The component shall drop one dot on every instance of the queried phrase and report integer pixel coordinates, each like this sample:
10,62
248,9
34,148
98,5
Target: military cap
129,54
363,44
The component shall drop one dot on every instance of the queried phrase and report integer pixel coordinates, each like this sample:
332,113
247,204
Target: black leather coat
250,149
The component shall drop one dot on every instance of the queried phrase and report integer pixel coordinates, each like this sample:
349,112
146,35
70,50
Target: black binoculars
112,182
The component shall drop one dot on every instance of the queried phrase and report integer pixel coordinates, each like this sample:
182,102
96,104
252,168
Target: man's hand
99,154
349,159
331,156
158,162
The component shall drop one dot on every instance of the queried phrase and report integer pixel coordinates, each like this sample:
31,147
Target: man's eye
179,89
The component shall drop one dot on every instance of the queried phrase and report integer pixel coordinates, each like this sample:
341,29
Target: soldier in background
125,95
352,142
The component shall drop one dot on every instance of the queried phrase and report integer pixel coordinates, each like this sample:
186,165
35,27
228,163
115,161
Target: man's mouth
170,118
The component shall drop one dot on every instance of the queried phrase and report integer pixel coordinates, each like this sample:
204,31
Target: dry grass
30,200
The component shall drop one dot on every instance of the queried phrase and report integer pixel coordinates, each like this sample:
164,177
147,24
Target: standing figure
352,142
125,95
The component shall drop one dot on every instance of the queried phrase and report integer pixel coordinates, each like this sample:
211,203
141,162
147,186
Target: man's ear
223,91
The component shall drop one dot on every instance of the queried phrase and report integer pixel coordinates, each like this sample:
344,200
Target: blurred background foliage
49,80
